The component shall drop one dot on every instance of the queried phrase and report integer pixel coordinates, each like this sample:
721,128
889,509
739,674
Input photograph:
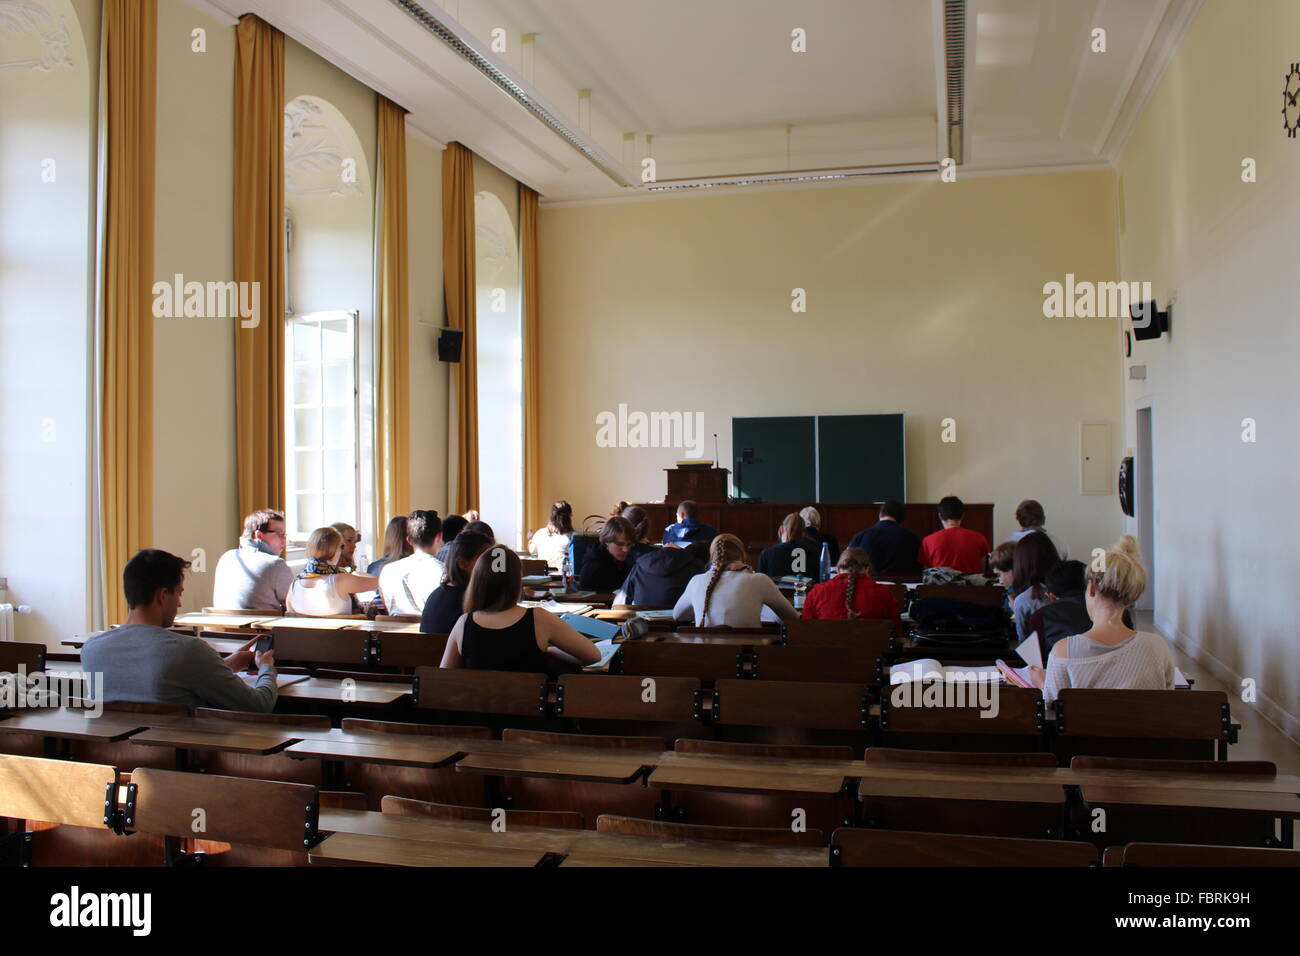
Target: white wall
922,297
1226,250
46,321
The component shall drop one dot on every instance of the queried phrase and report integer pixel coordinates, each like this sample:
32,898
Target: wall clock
1290,108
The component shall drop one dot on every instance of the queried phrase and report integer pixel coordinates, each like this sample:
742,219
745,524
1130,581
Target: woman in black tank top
512,648
524,645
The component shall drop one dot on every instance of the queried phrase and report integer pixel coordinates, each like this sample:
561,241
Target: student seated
1030,517
143,662
636,517
954,547
351,538
729,594
605,568
659,576
890,547
254,576
1035,556
795,554
396,546
406,584
443,608
812,523
325,587
551,543
451,526
481,527
1109,654
1067,614
852,594
1002,564
688,526
495,634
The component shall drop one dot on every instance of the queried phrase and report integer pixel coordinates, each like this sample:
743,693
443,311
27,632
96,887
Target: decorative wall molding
33,37
315,154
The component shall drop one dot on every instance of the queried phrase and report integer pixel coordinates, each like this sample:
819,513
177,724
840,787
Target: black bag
949,622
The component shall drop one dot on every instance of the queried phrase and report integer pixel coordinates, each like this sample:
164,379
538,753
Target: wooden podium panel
696,484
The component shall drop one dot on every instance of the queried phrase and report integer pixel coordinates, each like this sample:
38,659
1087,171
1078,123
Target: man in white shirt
255,576
406,584
1030,516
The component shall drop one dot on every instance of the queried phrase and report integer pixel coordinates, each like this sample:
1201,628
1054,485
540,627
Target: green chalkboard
786,469
861,458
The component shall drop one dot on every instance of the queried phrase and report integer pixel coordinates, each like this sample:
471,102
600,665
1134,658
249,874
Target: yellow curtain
535,513
393,399
129,104
259,258
459,291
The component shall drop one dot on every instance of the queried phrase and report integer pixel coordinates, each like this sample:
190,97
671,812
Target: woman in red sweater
852,593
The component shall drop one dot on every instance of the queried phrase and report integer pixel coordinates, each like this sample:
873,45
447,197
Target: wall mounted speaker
449,344
1148,321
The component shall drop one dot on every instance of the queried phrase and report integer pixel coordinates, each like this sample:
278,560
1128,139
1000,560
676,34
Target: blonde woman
324,589
729,594
1110,655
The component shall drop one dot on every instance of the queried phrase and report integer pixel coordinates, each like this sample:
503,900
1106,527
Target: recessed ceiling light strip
514,90
954,43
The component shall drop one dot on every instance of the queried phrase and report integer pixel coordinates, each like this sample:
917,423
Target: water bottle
566,573
799,588
824,563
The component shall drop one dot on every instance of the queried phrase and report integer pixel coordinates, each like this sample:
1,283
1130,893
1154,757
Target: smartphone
265,642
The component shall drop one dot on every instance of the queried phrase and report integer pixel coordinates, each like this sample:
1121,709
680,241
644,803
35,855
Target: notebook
592,627
607,651
927,668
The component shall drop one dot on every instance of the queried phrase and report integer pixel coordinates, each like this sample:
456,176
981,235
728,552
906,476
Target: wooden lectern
696,484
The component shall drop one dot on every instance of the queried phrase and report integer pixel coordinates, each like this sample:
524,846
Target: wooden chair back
55,791
534,566
1188,854
800,704
1264,768
235,810
853,665
700,661
876,637
364,725
860,847
596,741
1019,710
768,836
14,654
374,678
895,755
1179,715
556,819
614,697
407,650
303,721
481,692
312,645
726,748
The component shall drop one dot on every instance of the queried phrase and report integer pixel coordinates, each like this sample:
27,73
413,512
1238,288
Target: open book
927,668
607,651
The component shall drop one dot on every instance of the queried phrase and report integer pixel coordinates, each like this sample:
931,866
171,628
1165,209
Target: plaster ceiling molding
314,151
33,37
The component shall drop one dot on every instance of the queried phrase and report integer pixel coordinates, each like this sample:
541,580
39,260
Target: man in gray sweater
143,662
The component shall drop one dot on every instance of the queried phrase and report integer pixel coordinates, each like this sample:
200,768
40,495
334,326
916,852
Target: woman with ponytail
728,594
852,593
1110,654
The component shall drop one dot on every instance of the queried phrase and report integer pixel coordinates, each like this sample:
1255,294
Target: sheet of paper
281,680
1030,651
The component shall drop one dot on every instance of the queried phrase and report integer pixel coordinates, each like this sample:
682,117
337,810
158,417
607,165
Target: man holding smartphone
143,662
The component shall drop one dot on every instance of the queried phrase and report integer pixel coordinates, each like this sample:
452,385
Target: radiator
7,613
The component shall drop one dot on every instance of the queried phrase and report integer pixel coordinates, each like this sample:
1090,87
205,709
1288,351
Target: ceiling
712,90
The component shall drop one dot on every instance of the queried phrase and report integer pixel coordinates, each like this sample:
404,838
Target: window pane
340,473
309,513
341,506
338,426
336,341
308,471
306,342
306,385
306,428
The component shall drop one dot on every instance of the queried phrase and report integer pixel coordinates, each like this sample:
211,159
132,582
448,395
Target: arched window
329,321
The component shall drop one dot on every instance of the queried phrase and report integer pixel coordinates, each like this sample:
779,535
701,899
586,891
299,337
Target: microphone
716,459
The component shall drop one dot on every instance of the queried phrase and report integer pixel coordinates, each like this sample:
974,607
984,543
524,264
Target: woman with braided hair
729,594
852,593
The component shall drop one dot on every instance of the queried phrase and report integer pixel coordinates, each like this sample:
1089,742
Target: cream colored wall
429,377
922,297
195,503
1224,532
